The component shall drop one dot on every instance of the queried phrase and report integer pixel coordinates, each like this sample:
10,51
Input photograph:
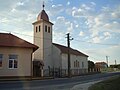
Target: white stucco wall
43,40
57,59
47,45
73,58
38,40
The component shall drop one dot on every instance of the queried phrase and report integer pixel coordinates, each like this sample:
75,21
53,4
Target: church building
51,59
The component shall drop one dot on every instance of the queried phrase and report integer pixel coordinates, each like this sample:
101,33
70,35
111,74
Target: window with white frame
13,61
1,58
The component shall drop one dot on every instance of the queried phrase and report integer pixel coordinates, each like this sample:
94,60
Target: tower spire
43,5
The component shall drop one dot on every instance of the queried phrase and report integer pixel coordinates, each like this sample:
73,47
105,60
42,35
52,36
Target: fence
57,72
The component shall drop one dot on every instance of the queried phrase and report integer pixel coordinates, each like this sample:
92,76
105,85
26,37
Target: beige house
15,56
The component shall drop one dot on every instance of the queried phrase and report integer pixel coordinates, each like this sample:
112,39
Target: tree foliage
91,65
115,66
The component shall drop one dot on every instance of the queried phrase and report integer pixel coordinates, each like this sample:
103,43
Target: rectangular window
36,28
39,28
1,58
82,64
45,28
74,64
48,29
13,61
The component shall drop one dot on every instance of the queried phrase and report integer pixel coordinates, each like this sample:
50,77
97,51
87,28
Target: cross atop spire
43,5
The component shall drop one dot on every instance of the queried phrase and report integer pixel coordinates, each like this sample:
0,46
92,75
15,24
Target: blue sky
94,24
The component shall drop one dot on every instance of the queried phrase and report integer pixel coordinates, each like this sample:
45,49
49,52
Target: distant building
101,65
15,56
51,58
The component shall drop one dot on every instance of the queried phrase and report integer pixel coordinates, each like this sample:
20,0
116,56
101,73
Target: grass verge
110,84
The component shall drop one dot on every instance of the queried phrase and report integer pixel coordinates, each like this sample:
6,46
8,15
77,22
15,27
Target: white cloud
4,20
97,21
77,12
68,3
96,39
6,6
61,18
93,3
20,3
77,26
107,35
81,33
112,26
63,24
69,26
59,37
84,10
106,21
56,9
85,7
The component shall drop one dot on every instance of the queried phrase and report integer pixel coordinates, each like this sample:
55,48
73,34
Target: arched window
36,28
45,28
39,28
48,29
76,63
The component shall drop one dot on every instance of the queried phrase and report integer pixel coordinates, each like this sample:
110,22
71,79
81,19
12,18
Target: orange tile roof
64,49
100,63
10,40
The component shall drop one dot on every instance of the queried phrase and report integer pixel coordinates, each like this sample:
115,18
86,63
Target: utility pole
69,63
107,59
115,62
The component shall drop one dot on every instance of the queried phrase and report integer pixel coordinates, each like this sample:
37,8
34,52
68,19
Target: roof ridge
73,51
10,40
21,39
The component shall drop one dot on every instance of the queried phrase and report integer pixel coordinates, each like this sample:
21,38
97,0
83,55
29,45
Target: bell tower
43,39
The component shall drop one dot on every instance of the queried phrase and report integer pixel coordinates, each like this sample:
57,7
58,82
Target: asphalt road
54,84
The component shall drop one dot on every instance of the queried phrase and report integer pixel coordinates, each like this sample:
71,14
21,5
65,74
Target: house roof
10,40
100,63
64,49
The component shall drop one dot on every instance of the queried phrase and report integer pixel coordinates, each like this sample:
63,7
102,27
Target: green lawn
111,84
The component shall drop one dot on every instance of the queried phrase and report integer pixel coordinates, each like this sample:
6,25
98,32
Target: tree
115,66
91,65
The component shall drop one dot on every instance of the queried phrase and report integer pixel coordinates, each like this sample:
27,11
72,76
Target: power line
50,39
96,43
25,34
